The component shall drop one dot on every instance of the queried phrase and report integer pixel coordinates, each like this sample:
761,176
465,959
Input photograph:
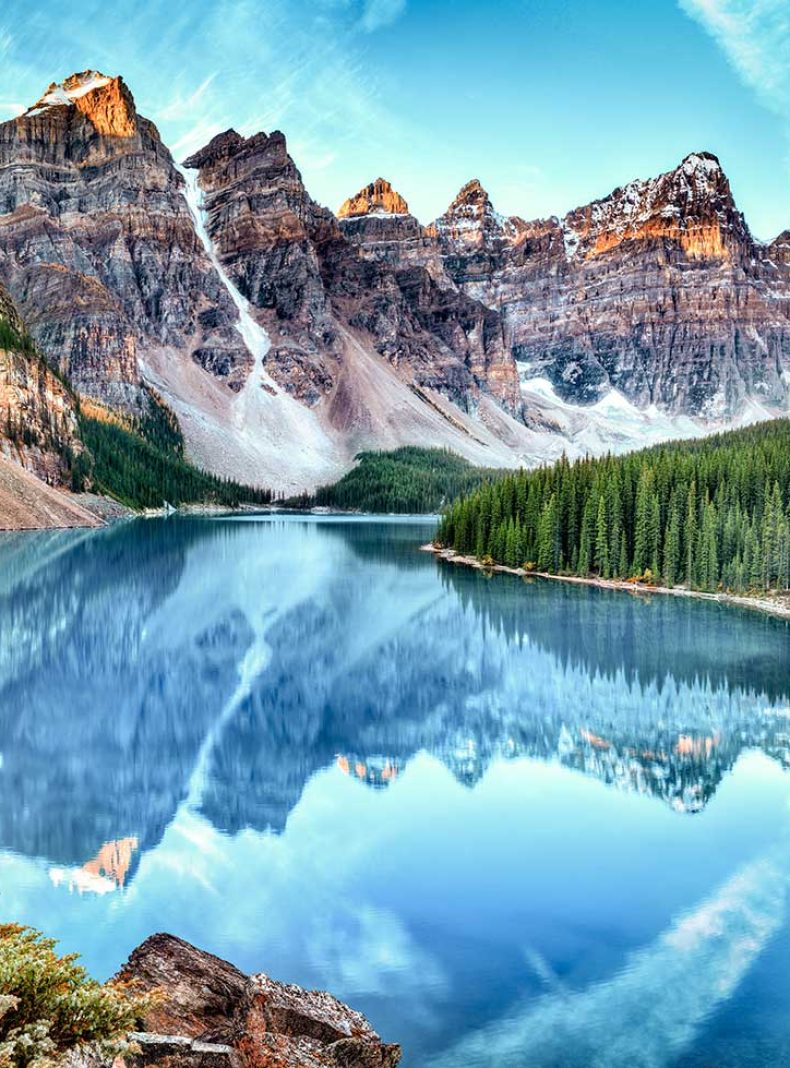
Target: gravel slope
27,503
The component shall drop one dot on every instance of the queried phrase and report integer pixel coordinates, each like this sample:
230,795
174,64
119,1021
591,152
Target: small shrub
48,1003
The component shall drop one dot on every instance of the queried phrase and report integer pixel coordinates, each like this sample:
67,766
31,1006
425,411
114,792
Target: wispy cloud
295,65
380,13
184,105
755,37
671,987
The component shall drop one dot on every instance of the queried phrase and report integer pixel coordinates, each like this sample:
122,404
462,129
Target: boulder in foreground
210,1015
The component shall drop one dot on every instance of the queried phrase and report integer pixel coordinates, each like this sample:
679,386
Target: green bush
49,1005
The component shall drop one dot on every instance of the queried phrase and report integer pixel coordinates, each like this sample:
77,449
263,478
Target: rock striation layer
209,1013
38,423
658,291
97,245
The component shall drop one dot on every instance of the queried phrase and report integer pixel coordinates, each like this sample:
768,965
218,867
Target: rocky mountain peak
691,205
472,220
472,193
261,149
378,198
222,147
63,94
702,164
106,102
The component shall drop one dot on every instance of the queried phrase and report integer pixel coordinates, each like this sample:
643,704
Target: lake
517,823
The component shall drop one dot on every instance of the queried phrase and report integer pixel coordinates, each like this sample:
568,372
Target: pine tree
602,540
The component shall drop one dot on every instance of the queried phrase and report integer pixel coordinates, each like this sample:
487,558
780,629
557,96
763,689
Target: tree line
123,464
407,480
708,514
138,460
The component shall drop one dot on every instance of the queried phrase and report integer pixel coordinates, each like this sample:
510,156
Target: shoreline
767,605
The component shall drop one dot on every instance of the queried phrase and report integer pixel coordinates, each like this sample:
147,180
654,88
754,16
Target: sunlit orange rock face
378,197
37,417
105,102
657,290
97,245
699,242
110,109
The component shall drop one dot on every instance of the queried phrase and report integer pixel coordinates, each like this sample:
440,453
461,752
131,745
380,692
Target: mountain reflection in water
177,698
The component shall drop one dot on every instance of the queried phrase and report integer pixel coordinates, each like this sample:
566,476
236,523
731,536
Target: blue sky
549,103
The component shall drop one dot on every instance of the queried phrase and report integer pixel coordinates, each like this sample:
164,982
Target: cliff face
96,243
37,419
658,290
311,277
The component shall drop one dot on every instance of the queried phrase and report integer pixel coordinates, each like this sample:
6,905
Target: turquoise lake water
515,823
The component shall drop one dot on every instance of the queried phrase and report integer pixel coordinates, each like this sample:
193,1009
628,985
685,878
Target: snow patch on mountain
612,424
64,94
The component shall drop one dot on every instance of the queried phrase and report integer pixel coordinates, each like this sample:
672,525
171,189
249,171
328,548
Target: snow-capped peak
471,218
63,94
701,163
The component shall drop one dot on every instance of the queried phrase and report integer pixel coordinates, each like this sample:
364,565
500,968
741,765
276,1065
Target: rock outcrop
97,245
208,1013
309,281
658,290
37,419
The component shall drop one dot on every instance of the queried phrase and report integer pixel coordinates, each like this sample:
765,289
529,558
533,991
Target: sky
550,103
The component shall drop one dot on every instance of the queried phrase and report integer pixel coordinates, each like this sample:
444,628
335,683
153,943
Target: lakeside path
775,606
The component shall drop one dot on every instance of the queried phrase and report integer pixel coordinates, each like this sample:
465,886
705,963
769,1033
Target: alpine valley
283,339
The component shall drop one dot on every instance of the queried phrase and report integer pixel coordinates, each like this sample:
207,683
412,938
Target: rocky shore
773,604
208,1014
28,503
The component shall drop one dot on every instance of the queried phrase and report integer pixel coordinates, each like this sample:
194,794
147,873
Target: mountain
286,339
97,244
279,347
344,332
658,291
